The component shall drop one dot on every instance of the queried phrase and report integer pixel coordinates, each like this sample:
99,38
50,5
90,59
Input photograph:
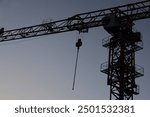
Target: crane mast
124,42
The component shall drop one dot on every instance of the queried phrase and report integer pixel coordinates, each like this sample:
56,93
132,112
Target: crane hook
78,43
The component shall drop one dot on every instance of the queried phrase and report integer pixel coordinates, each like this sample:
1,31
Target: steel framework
122,47
121,68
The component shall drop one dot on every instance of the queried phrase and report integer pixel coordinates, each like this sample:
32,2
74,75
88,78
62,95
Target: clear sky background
43,67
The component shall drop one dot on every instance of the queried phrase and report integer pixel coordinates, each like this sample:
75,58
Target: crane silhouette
118,21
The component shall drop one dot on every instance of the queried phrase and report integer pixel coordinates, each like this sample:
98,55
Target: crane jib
79,22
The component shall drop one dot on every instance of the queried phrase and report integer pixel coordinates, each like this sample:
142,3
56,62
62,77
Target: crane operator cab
111,24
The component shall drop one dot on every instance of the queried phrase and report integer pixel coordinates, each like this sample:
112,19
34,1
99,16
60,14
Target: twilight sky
43,67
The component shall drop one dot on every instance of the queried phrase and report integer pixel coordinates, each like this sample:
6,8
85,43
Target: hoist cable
78,45
76,64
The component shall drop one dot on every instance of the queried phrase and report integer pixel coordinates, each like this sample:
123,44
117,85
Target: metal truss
80,22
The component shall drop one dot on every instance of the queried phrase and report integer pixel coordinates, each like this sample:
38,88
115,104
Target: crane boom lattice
80,22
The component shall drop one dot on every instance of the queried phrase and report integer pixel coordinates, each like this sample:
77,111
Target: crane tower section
121,69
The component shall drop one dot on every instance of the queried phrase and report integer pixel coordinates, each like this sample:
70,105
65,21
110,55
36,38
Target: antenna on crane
78,45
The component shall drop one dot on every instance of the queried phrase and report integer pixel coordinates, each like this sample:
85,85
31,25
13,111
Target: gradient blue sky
43,67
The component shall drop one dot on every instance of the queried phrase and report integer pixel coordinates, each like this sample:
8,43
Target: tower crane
118,21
